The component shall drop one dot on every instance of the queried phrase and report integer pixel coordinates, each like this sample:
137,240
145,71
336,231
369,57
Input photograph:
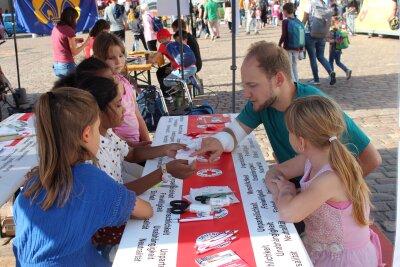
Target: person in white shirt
116,16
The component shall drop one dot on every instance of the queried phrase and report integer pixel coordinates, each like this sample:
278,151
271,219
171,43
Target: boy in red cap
172,70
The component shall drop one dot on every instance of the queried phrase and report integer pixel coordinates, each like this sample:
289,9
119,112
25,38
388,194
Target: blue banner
39,16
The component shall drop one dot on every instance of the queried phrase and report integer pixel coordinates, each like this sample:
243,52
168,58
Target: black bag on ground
151,107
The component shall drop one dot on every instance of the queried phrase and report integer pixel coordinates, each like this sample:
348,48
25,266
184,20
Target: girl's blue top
61,236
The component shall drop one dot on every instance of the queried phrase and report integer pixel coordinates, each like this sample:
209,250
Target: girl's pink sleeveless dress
333,238
129,129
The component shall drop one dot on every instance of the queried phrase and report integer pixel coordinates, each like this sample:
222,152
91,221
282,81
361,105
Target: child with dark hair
100,26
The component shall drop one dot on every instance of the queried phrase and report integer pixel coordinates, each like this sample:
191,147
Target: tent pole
192,25
12,10
180,33
233,67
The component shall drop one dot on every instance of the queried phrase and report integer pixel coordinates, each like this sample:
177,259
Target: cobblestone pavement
370,97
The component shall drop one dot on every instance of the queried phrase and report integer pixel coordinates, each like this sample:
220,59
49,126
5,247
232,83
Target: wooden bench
387,246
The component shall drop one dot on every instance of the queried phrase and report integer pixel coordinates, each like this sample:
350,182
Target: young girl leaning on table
66,199
334,199
108,47
114,153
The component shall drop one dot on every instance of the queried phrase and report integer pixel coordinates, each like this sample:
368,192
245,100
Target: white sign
170,7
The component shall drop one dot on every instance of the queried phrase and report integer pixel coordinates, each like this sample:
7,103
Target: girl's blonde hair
317,119
61,117
103,42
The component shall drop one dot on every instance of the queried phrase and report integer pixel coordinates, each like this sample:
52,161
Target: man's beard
266,104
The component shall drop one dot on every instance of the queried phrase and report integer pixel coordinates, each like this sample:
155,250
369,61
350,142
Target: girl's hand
170,150
284,186
269,177
180,169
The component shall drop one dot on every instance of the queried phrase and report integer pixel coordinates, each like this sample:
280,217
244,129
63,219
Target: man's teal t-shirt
212,10
278,135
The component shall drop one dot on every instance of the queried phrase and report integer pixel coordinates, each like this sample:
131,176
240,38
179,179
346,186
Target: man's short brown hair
271,58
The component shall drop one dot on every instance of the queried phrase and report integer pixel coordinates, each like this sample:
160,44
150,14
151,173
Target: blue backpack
296,34
201,110
174,50
151,107
157,23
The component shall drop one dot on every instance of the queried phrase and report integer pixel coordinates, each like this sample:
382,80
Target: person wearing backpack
173,70
292,38
137,29
191,42
150,35
337,42
116,16
318,19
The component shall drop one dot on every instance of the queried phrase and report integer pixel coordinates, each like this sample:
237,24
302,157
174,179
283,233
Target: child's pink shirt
258,14
129,129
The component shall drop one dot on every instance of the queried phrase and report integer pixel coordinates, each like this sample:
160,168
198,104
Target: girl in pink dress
334,199
133,129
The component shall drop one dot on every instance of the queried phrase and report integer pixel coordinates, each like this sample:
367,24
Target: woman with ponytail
334,199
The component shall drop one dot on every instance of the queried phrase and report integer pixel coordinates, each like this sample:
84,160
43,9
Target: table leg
149,77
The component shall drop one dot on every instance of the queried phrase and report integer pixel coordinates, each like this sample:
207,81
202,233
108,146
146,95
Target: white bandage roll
226,140
237,130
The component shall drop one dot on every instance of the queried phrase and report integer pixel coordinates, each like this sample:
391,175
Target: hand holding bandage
224,141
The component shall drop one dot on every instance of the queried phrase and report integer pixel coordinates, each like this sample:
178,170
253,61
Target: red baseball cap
163,33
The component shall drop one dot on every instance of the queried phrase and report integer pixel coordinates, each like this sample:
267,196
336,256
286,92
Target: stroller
18,97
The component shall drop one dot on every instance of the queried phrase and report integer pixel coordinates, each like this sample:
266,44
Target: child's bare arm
142,210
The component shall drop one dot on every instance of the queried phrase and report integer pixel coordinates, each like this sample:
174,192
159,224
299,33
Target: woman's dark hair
103,89
175,24
69,16
98,27
227,3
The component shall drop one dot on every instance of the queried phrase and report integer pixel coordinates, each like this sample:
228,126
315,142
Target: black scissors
204,198
179,206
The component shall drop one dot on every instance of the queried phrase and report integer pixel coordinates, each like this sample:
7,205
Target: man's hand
211,148
180,169
171,149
